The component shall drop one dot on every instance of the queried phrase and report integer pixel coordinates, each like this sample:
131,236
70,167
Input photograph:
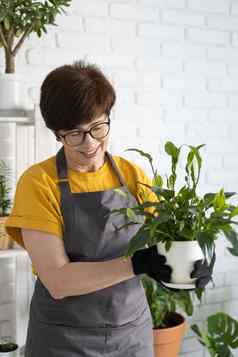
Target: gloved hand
149,261
203,271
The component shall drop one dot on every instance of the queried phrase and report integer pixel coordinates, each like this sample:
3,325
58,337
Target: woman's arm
63,278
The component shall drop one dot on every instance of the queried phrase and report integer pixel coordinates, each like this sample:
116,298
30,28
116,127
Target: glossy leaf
232,237
221,336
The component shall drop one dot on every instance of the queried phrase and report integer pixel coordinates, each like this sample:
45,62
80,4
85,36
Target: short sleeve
35,206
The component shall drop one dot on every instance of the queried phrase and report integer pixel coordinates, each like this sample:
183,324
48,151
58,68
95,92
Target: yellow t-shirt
37,198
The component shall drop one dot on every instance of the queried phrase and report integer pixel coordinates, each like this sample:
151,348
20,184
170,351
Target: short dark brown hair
75,94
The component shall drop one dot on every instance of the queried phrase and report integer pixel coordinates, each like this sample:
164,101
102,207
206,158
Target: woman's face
91,150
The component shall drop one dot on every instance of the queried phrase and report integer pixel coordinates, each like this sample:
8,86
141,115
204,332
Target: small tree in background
19,18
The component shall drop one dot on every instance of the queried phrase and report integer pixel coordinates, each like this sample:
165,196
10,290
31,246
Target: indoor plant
221,336
181,218
5,203
169,325
7,346
18,19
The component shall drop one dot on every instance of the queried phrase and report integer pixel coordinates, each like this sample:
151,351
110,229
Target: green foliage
20,15
163,302
5,202
19,18
221,336
180,214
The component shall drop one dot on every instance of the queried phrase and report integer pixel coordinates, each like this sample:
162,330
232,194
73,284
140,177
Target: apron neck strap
115,169
62,172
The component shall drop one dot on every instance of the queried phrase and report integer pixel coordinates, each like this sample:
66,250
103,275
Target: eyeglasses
77,137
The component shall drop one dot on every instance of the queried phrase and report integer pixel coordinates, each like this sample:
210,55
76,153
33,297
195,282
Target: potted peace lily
18,19
183,225
220,336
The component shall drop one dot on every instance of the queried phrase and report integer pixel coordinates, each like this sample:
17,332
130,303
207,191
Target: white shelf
8,253
21,120
17,116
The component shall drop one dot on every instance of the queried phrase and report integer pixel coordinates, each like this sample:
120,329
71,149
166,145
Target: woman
87,301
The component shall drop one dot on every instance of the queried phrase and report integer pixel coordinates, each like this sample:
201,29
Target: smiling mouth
91,153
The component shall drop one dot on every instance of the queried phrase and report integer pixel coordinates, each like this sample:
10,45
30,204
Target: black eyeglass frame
58,136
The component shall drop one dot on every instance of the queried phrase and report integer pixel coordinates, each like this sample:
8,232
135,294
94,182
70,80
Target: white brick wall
174,67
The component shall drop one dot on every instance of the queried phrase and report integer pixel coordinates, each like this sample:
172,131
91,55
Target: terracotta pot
5,241
167,341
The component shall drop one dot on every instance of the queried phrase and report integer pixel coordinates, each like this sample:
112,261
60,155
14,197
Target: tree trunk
10,62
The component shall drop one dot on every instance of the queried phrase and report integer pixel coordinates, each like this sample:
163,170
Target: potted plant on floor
5,204
221,335
169,325
182,224
18,19
7,347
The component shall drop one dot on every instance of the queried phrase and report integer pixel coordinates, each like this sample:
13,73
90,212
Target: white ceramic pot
181,257
12,92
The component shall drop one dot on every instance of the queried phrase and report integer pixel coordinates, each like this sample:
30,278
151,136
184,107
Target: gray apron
114,321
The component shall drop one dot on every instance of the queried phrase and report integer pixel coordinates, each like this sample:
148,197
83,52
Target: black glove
203,271
149,261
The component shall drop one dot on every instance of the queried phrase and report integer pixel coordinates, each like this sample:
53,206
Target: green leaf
5,188
172,180
234,212
120,192
229,194
130,214
185,194
163,218
206,242
221,334
167,194
117,211
17,16
196,329
138,241
142,153
168,245
190,158
6,23
208,199
171,150
223,327
199,292
157,181
232,237
219,202
147,156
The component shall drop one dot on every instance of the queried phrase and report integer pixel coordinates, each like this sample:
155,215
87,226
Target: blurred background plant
221,335
5,189
19,18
